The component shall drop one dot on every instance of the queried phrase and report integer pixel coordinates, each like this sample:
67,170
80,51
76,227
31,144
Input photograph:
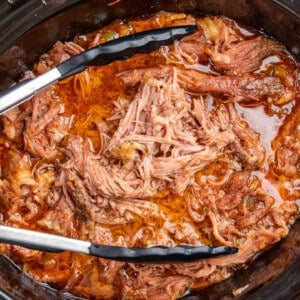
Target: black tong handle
124,47
160,254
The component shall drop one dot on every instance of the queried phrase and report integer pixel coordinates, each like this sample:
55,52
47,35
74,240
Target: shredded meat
163,139
44,112
154,150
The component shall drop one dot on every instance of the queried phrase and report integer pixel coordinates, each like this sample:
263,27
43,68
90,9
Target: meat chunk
58,54
194,45
17,170
220,30
248,146
44,110
250,88
13,124
242,57
189,52
286,164
150,285
60,220
235,204
287,146
45,126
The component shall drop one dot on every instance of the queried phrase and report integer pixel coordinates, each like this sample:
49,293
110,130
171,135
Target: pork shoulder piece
241,88
243,57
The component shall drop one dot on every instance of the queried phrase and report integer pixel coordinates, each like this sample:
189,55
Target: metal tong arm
157,254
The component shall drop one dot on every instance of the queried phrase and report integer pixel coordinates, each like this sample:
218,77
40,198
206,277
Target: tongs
118,49
156,254
104,54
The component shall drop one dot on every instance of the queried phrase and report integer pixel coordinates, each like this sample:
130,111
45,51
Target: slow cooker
28,28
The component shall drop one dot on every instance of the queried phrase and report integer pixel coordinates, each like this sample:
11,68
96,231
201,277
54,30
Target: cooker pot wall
29,28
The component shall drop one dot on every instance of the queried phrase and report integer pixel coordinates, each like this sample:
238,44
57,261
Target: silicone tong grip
159,254
123,48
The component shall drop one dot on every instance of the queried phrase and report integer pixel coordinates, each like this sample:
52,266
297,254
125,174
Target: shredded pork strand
173,162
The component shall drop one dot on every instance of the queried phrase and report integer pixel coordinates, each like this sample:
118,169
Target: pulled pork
157,154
